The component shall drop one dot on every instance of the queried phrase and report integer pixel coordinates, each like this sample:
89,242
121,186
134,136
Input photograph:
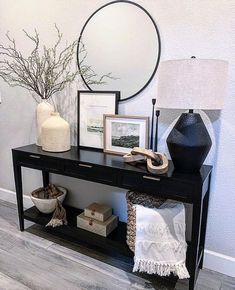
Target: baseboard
10,196
212,260
219,263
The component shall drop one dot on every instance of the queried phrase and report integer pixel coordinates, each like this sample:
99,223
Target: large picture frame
122,133
92,105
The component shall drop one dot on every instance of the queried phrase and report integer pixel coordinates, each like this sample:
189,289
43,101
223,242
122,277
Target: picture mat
92,107
108,132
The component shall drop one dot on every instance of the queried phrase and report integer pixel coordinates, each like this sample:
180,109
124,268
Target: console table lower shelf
113,248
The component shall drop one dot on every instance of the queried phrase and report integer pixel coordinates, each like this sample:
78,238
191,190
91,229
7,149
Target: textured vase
189,143
43,112
55,134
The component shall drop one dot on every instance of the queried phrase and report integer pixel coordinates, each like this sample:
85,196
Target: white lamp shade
192,84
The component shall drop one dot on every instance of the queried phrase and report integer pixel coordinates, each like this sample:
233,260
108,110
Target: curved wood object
158,169
140,154
129,158
145,152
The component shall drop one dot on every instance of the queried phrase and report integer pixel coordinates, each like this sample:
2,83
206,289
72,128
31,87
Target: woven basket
133,198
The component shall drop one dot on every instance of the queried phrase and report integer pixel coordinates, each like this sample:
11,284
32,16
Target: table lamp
191,84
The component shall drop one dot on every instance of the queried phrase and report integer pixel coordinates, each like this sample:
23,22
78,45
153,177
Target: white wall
202,28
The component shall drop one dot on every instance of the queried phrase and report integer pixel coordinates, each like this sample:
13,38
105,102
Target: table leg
19,194
195,243
203,226
45,178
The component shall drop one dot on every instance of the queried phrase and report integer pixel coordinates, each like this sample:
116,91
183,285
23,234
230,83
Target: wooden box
99,212
97,227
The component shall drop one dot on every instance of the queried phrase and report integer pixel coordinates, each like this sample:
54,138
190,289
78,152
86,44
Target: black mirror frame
158,36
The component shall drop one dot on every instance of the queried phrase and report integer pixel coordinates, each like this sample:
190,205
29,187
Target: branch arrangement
44,71
87,72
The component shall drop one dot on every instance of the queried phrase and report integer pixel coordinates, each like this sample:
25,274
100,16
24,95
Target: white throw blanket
160,246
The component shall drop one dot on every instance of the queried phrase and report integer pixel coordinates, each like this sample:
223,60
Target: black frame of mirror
158,36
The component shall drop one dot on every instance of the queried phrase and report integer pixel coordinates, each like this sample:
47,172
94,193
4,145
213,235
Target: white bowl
48,205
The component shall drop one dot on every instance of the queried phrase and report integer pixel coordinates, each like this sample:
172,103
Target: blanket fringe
161,269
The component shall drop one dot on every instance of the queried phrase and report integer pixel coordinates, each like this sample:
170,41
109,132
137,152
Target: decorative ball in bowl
47,205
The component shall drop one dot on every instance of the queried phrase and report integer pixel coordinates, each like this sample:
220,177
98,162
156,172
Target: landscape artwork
95,124
126,135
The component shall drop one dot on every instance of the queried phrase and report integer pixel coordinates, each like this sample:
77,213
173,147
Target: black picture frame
79,92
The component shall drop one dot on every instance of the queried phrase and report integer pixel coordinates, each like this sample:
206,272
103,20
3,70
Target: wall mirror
120,40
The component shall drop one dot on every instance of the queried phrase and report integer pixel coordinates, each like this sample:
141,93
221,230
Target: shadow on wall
82,193
66,104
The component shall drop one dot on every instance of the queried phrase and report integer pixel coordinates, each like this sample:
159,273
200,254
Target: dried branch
89,75
44,71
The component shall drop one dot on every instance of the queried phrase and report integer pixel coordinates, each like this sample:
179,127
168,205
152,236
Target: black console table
111,170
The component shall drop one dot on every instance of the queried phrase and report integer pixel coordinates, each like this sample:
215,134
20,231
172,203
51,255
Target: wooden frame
96,141
144,125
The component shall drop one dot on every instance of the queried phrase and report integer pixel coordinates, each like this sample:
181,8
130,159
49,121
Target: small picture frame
122,133
92,105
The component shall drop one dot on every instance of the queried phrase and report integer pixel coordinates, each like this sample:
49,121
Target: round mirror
119,49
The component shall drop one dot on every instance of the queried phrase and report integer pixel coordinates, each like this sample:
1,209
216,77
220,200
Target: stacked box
98,219
97,211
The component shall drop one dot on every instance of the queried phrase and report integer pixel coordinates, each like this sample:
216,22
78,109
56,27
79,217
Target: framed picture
122,133
92,105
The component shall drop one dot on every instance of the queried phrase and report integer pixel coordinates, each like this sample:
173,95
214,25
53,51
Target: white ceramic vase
43,112
55,134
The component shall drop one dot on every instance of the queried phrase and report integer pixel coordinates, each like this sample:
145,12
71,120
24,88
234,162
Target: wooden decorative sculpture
157,163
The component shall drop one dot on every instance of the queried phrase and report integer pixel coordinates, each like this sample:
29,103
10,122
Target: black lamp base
189,143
